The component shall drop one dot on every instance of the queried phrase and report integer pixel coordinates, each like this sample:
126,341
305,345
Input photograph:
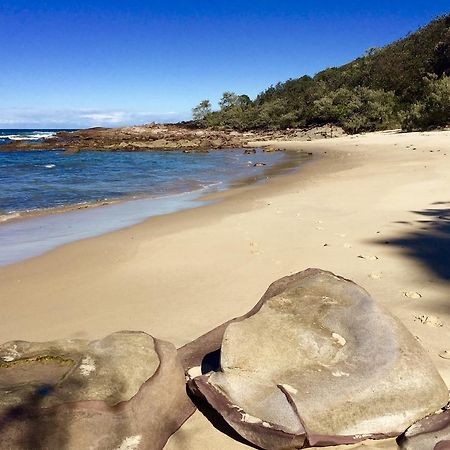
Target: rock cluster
163,137
316,362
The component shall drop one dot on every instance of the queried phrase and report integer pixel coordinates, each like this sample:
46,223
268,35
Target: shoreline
24,238
369,208
289,162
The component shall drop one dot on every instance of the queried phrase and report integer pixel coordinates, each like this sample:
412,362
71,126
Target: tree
228,100
433,109
201,111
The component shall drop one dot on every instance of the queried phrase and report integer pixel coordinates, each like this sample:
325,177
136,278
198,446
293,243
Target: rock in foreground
126,391
432,432
316,362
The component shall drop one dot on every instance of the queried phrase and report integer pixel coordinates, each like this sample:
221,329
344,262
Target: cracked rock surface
317,362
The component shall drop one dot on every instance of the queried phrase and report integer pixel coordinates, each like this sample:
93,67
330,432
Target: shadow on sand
429,241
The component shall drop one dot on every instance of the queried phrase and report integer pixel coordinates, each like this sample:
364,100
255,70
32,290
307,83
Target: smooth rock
315,362
124,391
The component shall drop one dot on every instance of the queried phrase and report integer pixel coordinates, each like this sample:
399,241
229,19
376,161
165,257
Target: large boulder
316,362
126,391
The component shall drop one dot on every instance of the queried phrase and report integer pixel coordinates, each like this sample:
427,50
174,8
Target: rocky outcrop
126,391
163,137
138,138
316,362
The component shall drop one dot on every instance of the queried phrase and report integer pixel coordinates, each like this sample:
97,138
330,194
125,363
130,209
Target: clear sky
78,63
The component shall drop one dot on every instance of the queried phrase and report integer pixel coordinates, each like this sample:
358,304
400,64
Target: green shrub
433,109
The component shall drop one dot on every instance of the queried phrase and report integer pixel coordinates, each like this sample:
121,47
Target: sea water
34,180
149,183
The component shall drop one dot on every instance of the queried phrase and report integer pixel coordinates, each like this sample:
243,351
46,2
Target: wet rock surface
124,391
316,362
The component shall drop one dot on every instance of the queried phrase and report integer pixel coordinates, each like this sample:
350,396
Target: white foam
28,137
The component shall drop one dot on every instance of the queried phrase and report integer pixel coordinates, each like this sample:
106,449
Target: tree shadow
31,425
32,429
429,241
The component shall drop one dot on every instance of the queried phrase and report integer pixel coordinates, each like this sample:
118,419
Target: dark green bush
405,83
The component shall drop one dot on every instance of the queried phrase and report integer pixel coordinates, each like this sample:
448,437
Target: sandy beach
373,208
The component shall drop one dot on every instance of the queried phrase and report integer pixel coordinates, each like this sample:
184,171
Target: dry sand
374,208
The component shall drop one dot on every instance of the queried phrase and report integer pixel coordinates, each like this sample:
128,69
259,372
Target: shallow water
35,180
150,183
34,236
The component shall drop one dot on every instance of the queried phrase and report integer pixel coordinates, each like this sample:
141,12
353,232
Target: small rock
412,294
368,257
432,321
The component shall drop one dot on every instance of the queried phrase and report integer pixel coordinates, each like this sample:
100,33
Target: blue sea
35,180
150,183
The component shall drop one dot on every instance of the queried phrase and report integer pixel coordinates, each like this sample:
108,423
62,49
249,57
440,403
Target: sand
374,208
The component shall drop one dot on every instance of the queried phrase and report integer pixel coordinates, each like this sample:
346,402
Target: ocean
9,134
149,183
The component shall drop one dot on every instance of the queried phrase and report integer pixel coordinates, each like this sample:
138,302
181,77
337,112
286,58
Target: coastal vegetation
405,84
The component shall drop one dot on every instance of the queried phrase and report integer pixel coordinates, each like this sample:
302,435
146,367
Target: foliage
433,109
405,83
201,111
358,109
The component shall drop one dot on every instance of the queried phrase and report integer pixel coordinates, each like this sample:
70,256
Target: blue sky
95,62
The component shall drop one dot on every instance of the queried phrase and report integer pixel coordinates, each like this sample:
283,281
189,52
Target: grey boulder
126,391
316,362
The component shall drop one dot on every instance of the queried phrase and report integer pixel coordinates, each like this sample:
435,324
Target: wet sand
374,208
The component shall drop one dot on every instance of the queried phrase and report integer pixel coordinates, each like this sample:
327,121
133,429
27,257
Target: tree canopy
406,83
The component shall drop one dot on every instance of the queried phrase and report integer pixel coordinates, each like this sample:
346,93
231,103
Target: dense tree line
406,83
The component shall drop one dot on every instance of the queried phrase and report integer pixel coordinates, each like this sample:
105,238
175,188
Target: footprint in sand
445,354
320,228
432,321
368,257
254,248
347,245
412,294
375,276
